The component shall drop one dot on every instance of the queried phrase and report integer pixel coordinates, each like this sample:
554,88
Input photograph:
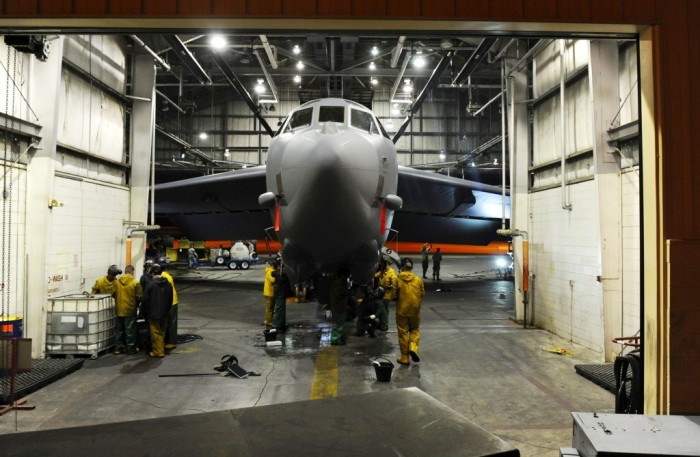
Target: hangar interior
115,113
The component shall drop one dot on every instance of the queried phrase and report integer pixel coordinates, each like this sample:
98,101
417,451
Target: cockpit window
331,114
363,120
301,118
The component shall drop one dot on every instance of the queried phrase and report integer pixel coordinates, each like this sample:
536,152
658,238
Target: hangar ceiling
263,69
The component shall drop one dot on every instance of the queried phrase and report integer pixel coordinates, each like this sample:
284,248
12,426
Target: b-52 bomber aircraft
331,191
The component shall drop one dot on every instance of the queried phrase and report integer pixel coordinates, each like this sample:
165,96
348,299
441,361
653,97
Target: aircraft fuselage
331,183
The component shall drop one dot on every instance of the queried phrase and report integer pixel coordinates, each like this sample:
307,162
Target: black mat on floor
44,372
406,422
603,375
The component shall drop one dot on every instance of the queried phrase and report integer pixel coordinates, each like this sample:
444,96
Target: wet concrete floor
474,358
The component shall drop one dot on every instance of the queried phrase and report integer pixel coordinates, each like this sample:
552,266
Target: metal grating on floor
44,372
603,375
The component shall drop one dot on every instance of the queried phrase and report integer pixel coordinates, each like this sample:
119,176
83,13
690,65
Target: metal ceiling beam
396,53
268,50
165,97
268,78
156,57
238,86
475,59
188,58
432,82
188,149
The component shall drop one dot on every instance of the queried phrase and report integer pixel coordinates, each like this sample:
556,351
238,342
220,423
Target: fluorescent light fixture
226,153
218,42
260,87
300,65
203,135
418,59
373,81
442,155
372,66
297,78
375,51
407,87
296,50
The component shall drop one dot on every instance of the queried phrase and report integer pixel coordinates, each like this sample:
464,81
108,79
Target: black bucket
383,369
270,335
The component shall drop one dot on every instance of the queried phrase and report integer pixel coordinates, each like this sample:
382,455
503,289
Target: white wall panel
13,242
546,139
89,120
629,87
103,56
87,234
631,256
565,259
15,85
578,117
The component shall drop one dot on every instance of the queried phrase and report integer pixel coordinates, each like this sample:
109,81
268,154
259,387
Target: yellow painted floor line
325,382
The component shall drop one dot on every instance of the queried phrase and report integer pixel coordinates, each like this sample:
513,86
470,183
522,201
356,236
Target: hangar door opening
553,120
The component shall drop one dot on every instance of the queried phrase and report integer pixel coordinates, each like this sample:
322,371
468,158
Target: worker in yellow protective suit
269,291
386,279
107,284
411,291
128,296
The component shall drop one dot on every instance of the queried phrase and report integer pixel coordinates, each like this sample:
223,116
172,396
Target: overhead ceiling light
495,161
390,124
296,50
297,78
375,51
218,42
260,87
442,155
372,66
203,135
226,153
182,156
373,81
419,60
395,109
407,86
300,65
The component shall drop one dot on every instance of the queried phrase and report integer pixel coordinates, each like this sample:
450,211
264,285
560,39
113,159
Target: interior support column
46,91
141,145
604,89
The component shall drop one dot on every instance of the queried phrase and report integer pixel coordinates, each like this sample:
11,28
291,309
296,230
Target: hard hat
149,262
406,261
114,270
156,269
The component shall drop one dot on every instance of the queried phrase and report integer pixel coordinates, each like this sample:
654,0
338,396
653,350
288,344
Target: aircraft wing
223,206
436,208
444,209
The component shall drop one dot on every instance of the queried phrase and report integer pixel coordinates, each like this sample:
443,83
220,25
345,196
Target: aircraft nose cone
331,187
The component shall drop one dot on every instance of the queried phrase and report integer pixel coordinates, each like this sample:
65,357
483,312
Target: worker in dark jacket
157,301
282,289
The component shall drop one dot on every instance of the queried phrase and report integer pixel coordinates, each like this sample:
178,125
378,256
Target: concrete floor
474,358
